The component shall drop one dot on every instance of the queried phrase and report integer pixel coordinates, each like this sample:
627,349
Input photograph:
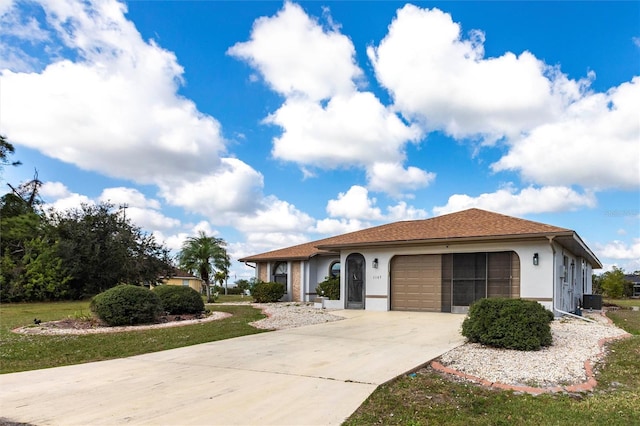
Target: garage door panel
416,283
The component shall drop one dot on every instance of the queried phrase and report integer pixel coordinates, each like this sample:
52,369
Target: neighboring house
183,278
634,279
442,264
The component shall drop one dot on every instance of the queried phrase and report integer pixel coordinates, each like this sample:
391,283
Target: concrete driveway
318,374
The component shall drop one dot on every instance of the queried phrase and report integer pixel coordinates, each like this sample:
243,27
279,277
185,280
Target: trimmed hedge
177,300
127,305
330,288
508,323
267,292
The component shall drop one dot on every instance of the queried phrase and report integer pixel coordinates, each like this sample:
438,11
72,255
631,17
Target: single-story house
634,279
183,278
441,264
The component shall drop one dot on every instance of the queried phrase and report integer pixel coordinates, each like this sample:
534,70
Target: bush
330,288
508,323
177,300
267,292
127,305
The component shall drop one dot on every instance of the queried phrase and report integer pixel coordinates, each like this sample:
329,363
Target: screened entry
473,276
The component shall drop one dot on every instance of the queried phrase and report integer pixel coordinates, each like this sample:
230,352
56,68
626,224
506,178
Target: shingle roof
181,273
467,224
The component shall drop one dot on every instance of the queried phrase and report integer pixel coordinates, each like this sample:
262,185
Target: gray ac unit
592,301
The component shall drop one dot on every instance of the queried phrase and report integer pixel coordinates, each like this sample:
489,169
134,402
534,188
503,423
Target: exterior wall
262,272
568,286
543,282
536,281
317,270
194,283
294,279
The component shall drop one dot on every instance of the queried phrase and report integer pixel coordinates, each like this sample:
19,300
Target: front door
355,281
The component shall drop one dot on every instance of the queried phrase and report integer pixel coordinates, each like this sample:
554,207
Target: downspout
553,249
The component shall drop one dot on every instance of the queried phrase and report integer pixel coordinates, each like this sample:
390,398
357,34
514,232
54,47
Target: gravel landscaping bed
290,315
574,342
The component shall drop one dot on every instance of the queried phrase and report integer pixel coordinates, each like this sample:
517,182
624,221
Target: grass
624,303
432,398
228,298
19,352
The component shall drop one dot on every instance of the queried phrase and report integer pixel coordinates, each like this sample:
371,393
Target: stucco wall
536,281
195,284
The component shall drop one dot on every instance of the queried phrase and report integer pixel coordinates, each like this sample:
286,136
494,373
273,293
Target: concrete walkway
314,375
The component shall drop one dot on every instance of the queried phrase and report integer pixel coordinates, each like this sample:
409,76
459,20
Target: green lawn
429,398
624,303
233,298
19,352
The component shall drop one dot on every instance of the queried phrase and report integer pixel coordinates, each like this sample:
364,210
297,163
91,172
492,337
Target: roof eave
433,241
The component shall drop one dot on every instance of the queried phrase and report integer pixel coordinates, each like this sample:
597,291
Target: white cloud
333,227
150,219
402,211
620,250
297,56
234,188
115,109
528,200
443,81
128,196
274,216
353,130
557,130
594,143
354,204
58,197
54,190
357,207
326,121
392,177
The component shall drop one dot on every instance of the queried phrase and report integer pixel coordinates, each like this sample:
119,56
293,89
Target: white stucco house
441,264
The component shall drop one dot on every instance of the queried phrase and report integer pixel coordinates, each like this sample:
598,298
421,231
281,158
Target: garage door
416,283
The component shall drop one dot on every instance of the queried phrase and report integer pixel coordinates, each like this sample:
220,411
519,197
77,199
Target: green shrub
508,323
330,288
177,300
267,292
127,305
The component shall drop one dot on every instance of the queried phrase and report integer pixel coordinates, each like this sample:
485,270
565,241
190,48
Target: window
334,270
185,283
280,274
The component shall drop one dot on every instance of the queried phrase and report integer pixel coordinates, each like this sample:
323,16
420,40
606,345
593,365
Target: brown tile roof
467,224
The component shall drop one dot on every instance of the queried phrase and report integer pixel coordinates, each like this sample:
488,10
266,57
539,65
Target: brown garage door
416,283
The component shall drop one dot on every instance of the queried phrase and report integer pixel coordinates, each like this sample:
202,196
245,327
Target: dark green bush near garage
508,323
267,292
330,288
179,300
127,305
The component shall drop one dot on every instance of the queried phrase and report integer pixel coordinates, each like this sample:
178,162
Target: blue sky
270,124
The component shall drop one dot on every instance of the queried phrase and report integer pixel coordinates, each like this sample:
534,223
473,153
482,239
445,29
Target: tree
101,248
612,283
204,256
6,149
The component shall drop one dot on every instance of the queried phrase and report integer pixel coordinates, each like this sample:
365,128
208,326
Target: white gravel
290,315
574,342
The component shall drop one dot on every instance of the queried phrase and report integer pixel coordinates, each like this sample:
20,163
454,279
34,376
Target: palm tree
204,256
